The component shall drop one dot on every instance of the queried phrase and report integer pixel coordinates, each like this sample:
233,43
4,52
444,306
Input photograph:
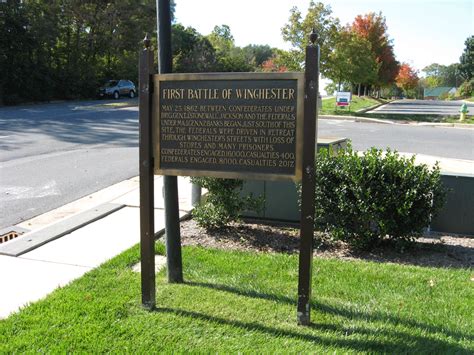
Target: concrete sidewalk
36,273
446,165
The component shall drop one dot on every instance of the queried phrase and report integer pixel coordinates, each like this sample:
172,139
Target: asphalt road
56,153
423,107
440,141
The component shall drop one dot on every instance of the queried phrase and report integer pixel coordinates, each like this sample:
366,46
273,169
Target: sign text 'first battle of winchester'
242,126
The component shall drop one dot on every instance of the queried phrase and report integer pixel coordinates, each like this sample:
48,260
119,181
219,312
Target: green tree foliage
362,54
297,32
230,57
467,88
330,88
15,40
192,52
221,38
257,54
66,48
352,60
453,75
289,59
442,75
466,60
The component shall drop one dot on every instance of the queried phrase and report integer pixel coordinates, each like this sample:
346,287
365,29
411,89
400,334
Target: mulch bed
438,250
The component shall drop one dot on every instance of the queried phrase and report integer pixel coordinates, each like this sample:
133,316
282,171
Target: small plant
223,203
466,89
444,96
363,200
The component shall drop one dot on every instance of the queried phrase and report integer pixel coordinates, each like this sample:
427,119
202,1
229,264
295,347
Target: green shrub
444,96
466,89
223,203
451,97
363,200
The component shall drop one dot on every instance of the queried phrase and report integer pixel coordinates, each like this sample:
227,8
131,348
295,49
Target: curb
383,121
93,200
32,240
356,119
68,218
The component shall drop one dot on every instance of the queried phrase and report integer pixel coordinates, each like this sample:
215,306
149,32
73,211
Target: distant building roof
438,91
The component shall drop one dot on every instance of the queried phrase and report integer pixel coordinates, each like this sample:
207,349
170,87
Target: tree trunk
358,90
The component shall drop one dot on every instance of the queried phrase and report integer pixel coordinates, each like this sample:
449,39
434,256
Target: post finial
313,36
147,41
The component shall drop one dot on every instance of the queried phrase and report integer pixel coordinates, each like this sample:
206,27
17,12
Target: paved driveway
423,107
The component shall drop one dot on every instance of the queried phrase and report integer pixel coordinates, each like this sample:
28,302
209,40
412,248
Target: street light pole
172,229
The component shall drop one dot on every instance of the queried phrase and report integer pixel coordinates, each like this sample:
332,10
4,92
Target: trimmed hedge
365,199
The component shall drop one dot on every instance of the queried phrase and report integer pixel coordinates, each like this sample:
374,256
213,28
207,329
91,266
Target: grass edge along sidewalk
245,301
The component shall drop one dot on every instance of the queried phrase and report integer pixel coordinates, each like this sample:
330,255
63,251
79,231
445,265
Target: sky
422,31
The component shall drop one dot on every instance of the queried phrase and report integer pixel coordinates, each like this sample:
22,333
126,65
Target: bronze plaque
239,125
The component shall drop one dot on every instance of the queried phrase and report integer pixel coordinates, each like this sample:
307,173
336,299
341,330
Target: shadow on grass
278,332
74,122
404,343
414,341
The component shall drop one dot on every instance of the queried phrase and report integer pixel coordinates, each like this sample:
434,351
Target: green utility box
457,214
281,197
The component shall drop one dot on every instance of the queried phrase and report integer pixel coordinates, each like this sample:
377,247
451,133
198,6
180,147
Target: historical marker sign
233,125
239,125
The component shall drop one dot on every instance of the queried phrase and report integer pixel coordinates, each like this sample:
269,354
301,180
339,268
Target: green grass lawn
357,103
246,302
453,119
362,102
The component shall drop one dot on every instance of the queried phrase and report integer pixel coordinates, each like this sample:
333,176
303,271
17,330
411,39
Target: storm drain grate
6,237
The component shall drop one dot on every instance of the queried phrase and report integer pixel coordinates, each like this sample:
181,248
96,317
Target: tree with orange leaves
273,65
373,28
407,79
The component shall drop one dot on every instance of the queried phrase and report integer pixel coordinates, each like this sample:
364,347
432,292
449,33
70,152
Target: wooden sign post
308,182
147,219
